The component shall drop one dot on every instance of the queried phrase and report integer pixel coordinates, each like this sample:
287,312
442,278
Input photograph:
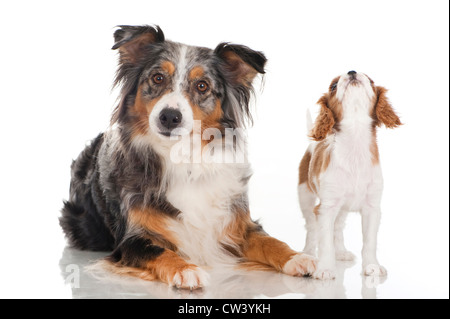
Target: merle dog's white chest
204,196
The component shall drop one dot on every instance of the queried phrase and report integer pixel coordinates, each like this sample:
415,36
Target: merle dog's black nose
170,118
351,73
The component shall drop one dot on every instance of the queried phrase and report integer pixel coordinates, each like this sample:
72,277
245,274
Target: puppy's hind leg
307,201
341,252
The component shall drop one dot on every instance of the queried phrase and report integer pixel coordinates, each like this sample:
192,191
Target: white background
55,88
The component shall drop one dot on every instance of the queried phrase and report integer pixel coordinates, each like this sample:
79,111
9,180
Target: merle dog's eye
202,86
158,78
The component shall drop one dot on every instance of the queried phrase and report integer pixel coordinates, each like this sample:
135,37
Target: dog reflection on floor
85,284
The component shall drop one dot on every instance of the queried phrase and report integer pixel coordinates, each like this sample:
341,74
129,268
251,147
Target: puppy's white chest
354,170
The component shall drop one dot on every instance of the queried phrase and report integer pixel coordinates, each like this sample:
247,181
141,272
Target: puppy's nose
170,118
352,73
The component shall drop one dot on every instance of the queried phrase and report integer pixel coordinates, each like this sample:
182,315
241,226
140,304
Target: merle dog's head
166,86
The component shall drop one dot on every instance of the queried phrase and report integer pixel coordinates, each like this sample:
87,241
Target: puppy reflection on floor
85,284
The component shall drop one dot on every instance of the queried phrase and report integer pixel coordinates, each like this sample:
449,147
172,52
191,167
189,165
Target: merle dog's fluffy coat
124,189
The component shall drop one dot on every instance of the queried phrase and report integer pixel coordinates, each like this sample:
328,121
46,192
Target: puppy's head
353,95
166,86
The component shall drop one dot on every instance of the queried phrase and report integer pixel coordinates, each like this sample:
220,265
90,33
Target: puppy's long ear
131,40
241,62
383,111
324,122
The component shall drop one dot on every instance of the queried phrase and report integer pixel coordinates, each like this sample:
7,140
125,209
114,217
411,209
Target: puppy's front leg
327,260
264,249
370,217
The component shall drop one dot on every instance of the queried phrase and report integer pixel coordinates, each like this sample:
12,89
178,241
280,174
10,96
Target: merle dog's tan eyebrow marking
168,67
196,73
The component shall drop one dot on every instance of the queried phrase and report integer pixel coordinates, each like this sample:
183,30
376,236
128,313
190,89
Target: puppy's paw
345,255
324,274
375,270
190,278
300,265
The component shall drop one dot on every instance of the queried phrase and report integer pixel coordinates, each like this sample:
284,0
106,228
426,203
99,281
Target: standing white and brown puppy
341,168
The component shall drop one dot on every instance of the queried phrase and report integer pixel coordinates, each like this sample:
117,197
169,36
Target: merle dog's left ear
383,111
131,41
242,62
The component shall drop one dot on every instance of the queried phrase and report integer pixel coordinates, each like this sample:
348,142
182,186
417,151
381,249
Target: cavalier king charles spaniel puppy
340,171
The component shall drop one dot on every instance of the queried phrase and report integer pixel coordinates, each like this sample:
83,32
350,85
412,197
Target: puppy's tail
309,122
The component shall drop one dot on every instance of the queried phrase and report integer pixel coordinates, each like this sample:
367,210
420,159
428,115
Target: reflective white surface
405,280
46,268
224,283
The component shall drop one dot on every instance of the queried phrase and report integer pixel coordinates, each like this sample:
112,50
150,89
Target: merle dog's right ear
131,41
